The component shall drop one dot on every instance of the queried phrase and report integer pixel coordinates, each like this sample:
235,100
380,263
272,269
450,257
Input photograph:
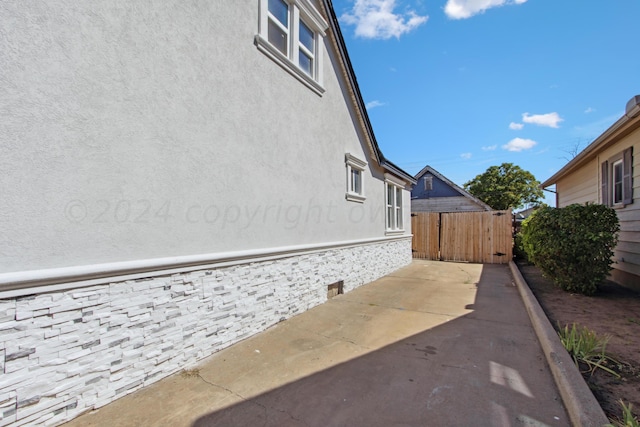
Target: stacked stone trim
64,353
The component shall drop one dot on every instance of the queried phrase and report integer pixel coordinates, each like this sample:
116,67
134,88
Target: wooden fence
480,237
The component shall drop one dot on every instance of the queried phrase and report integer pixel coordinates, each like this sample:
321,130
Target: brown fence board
480,237
426,235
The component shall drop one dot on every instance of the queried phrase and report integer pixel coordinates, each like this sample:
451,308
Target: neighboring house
520,216
435,193
175,178
608,172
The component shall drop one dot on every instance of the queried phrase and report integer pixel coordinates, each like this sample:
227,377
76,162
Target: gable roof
356,97
629,122
432,171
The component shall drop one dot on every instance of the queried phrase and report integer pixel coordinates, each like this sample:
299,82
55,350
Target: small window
291,32
355,178
356,181
428,182
398,208
617,179
394,206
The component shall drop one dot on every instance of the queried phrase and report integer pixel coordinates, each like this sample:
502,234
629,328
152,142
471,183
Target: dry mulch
614,311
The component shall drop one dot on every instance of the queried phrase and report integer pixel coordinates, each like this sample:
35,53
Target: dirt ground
613,311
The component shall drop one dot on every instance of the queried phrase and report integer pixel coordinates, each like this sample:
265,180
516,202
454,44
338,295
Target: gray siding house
607,171
175,178
433,192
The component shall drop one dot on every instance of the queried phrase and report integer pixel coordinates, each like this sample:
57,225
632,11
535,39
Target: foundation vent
335,289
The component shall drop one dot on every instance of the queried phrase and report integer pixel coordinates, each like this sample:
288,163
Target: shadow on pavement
482,368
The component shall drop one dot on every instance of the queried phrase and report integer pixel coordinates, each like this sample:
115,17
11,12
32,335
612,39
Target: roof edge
342,50
447,181
632,113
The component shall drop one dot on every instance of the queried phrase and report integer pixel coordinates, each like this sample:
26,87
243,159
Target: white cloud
374,104
465,155
550,119
589,110
462,9
489,148
515,126
519,144
374,19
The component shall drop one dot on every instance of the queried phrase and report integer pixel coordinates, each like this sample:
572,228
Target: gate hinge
413,214
499,213
499,254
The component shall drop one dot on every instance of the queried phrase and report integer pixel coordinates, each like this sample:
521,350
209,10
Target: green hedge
573,246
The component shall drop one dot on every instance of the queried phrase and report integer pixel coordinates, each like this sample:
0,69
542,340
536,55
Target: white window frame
624,195
394,205
354,165
617,197
299,10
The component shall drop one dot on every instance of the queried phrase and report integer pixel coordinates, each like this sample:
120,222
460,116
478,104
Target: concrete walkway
433,344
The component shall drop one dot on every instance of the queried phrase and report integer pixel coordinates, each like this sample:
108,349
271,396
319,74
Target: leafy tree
505,186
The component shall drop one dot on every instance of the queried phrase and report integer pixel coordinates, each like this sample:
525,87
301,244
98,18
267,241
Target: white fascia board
394,180
312,16
54,279
354,161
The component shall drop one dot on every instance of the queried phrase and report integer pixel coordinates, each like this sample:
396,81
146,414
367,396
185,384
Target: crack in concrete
343,339
253,401
400,308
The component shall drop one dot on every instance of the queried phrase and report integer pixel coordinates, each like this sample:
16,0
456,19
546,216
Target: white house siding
66,352
141,138
584,186
445,204
627,253
580,187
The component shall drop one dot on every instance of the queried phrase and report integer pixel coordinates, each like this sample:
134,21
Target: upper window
394,211
355,181
291,33
617,179
278,29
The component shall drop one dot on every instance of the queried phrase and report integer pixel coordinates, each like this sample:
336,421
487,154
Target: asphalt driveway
433,344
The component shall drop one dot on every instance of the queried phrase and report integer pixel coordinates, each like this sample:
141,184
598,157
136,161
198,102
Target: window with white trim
394,211
617,179
291,33
355,178
616,182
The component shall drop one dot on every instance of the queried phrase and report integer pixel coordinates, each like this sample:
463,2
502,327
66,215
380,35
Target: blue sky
462,85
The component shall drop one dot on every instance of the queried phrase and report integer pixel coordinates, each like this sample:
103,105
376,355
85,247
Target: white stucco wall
135,130
167,190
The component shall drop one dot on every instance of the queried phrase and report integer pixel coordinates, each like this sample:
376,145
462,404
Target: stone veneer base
65,352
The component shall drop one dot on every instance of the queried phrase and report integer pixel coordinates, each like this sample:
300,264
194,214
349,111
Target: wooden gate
481,237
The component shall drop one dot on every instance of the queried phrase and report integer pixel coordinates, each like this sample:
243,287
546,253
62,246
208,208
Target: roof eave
625,123
342,50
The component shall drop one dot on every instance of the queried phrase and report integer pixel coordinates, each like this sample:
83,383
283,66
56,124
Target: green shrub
572,246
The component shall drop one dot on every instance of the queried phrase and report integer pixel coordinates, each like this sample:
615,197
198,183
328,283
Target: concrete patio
432,344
